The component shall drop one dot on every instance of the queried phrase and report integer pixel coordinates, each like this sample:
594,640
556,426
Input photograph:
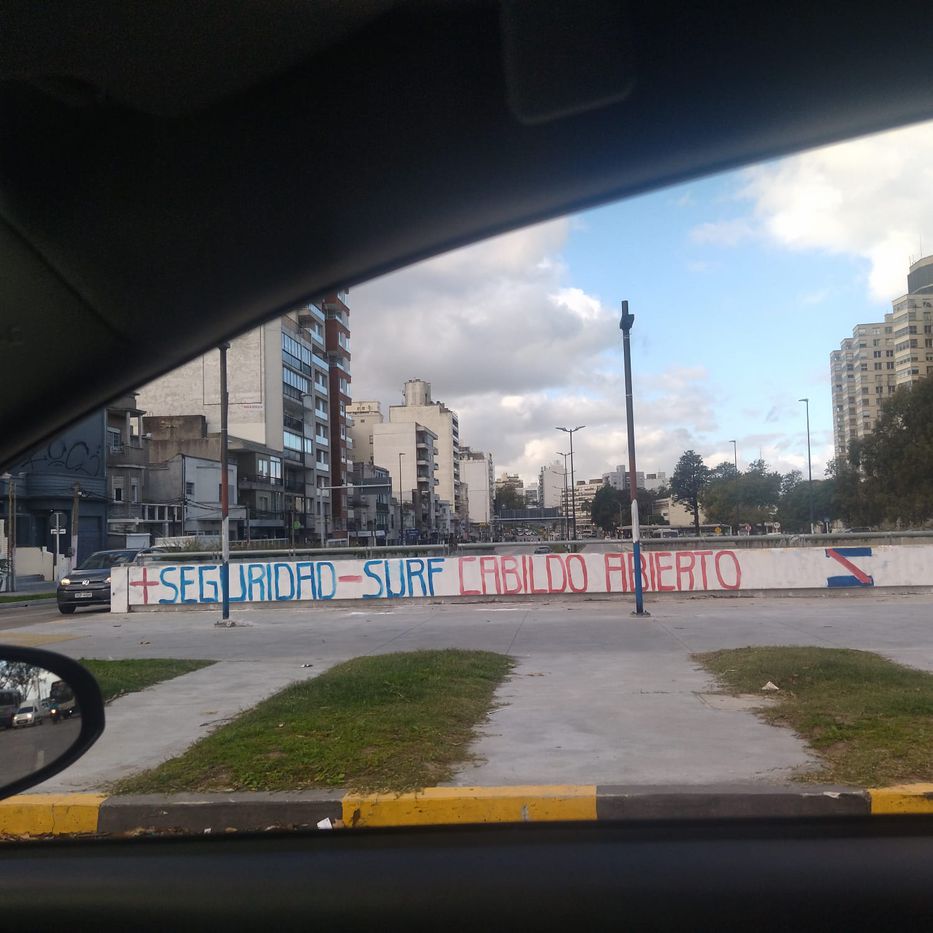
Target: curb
69,814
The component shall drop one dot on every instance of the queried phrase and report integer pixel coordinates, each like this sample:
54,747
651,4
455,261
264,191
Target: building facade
582,496
337,309
373,505
619,479
363,415
279,422
880,356
551,482
418,407
407,450
476,473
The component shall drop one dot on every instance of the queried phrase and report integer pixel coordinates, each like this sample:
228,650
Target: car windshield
635,501
26,709
104,560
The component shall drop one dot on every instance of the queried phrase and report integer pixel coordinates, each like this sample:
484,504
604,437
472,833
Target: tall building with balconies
279,422
337,332
418,407
407,450
880,356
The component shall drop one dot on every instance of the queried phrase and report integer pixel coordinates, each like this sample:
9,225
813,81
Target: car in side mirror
51,713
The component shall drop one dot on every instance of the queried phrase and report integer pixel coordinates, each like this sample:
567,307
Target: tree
794,508
720,497
508,497
688,482
17,675
895,461
612,508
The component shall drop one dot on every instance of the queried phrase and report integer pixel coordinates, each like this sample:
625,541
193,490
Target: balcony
321,441
126,455
311,313
246,481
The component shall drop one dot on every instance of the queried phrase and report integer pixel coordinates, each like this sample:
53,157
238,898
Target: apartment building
551,482
476,473
419,408
362,416
582,496
869,366
619,479
279,422
407,450
374,507
337,332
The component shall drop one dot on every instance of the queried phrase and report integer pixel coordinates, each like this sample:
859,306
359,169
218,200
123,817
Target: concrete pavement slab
597,696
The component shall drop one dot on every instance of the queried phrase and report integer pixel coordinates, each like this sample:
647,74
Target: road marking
902,798
448,805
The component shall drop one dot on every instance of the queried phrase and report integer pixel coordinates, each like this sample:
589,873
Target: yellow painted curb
446,805
903,798
45,814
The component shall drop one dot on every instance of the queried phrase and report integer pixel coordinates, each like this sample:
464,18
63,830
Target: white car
28,716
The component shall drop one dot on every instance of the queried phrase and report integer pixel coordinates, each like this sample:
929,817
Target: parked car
543,549
89,585
28,716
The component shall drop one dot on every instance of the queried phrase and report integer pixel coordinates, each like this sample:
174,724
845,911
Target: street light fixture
806,402
625,325
573,491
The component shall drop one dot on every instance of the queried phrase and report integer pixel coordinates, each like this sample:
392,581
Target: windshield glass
635,498
104,560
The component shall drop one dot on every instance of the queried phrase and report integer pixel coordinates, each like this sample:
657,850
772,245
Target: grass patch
118,677
25,597
389,722
869,720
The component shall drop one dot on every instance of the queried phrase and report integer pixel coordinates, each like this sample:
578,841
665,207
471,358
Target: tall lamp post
573,491
401,503
224,491
560,453
806,402
625,325
735,461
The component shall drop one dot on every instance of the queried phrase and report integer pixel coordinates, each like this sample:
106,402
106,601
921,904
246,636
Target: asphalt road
25,750
16,616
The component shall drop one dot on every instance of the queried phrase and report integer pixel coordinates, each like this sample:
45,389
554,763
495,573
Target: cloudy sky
741,285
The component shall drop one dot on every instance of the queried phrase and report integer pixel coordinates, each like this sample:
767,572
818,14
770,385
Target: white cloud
723,232
870,198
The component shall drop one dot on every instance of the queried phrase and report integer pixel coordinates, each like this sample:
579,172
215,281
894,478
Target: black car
89,584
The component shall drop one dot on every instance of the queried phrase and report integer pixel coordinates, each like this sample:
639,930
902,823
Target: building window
189,489
114,439
117,489
134,491
292,441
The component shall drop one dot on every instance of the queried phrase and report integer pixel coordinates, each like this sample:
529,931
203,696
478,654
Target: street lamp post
573,491
806,402
625,325
735,461
401,504
224,491
560,453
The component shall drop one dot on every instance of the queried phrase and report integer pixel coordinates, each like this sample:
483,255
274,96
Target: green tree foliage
612,508
690,478
751,496
508,497
896,461
794,508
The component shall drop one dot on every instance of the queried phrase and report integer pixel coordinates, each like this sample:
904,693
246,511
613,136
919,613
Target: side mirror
51,713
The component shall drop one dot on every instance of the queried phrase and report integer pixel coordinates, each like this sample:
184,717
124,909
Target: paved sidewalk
147,727
597,697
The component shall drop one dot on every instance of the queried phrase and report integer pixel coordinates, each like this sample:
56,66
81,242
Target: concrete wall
701,570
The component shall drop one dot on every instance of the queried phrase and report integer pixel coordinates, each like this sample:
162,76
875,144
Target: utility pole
224,492
11,533
625,324
560,453
573,490
75,500
735,461
806,402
